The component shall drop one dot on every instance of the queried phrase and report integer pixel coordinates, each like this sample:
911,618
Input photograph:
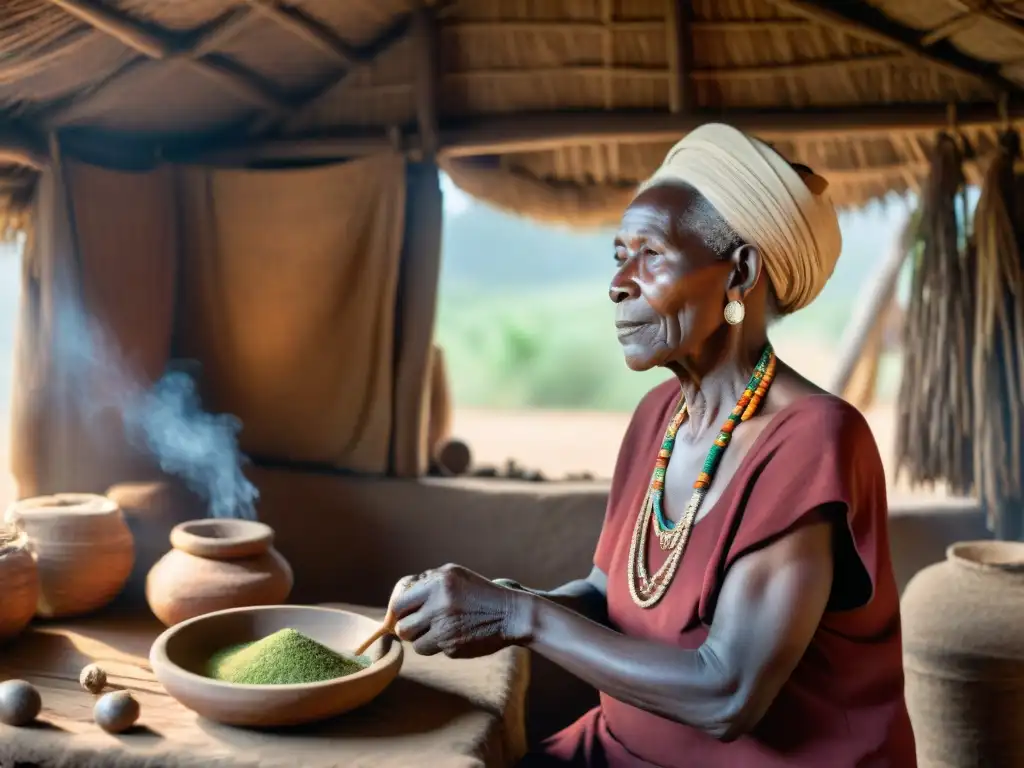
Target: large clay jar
216,564
19,583
151,509
964,657
83,549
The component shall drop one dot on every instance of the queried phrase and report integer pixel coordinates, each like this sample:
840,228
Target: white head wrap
766,202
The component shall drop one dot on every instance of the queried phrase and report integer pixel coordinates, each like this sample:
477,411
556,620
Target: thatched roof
570,102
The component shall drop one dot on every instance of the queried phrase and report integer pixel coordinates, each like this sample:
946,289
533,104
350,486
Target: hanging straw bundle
935,403
998,364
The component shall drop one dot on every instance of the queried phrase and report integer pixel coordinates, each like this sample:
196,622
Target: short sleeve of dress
635,462
820,456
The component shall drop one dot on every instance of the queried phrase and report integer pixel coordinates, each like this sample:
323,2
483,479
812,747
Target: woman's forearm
581,597
586,597
686,686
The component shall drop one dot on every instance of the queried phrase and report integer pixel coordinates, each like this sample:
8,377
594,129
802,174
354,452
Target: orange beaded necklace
645,590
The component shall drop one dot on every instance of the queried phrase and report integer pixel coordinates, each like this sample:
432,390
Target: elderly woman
742,610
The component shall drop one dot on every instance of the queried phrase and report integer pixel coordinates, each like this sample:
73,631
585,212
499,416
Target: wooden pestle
387,626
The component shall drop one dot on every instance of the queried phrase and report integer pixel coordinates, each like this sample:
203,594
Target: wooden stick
382,630
875,296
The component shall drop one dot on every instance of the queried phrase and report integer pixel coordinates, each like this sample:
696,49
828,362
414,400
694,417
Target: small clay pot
84,551
216,564
19,580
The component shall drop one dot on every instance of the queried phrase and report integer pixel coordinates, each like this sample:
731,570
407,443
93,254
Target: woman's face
671,284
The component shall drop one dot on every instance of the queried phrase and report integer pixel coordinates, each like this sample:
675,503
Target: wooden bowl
179,656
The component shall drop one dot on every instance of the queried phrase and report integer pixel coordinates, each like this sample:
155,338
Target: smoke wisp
165,421
201,448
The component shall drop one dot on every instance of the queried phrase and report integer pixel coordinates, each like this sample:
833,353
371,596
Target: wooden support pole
414,326
679,31
424,34
869,315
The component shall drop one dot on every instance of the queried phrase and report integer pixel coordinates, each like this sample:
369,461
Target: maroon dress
843,705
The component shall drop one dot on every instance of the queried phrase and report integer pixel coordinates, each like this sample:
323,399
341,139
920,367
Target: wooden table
438,713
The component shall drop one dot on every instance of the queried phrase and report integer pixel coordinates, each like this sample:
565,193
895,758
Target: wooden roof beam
158,47
397,30
309,29
868,23
508,134
993,14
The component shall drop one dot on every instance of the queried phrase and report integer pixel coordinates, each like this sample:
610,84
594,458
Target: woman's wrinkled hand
459,613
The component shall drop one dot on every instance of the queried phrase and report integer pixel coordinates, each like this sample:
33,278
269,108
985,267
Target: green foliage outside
525,320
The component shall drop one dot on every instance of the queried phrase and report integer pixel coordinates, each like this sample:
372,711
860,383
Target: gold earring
735,312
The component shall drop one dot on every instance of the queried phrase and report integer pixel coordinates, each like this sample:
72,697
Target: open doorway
536,373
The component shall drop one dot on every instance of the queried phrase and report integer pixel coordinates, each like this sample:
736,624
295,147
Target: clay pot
151,509
84,550
964,656
19,580
217,564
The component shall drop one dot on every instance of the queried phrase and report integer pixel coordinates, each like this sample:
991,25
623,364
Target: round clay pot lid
991,555
221,538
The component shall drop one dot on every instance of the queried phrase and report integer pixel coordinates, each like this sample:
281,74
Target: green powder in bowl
286,657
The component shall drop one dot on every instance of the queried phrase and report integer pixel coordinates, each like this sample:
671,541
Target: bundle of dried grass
935,404
998,364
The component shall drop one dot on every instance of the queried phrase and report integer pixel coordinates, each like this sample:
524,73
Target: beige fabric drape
289,300
95,323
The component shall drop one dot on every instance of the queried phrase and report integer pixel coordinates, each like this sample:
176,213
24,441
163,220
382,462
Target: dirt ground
559,442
